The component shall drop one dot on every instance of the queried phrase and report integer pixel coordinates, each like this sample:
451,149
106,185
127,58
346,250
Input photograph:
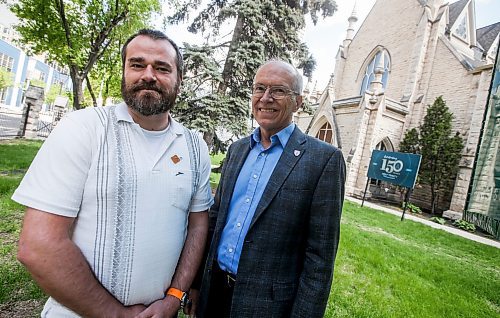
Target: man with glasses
274,227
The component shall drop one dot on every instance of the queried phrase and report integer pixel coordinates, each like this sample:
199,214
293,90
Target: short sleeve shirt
131,207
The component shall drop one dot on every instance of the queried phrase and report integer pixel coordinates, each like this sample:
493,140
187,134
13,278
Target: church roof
486,35
455,9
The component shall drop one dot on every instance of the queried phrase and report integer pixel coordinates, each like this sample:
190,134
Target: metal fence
47,121
10,122
13,124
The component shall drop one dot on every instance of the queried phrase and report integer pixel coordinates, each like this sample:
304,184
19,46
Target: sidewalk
452,230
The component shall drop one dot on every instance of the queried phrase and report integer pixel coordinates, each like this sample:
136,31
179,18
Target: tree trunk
208,136
91,91
226,73
433,199
77,88
228,65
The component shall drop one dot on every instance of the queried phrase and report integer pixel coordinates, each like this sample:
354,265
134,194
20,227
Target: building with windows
25,69
405,54
14,61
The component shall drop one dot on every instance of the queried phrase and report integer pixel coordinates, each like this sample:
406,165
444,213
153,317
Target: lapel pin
296,153
175,159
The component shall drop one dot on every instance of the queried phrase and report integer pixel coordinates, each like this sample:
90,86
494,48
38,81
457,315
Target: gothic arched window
325,133
370,71
461,29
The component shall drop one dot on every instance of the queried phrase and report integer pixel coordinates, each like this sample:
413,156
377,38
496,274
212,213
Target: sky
324,38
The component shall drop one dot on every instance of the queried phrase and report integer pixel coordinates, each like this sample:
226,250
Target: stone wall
32,106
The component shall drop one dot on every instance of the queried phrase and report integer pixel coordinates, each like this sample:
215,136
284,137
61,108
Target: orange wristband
179,294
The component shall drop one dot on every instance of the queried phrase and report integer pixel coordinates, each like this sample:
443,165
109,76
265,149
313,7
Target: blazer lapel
294,149
239,154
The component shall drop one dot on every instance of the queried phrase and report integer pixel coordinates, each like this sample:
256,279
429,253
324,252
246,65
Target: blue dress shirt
248,191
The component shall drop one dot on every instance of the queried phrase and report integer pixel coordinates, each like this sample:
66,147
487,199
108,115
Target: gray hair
297,84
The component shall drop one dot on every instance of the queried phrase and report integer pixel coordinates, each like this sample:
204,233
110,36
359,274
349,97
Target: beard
157,101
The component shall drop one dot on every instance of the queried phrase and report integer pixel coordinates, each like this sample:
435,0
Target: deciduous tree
5,78
76,33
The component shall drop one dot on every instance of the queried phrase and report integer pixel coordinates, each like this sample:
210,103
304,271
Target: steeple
350,30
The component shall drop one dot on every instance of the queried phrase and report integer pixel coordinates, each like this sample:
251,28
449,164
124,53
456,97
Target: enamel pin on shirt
296,153
175,159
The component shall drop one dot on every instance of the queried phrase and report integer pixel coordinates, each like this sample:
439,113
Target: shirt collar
122,114
282,136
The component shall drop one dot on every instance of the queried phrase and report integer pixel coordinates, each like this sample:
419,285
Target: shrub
412,208
464,225
437,219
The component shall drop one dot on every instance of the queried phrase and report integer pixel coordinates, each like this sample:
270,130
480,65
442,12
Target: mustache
148,86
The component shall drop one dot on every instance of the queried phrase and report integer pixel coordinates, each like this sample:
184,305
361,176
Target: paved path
449,229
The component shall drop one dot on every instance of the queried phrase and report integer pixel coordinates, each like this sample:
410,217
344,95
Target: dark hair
156,35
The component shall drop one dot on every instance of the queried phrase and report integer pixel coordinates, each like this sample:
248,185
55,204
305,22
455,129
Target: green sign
394,167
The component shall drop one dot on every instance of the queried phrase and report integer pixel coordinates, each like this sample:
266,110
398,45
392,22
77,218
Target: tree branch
62,14
91,91
96,51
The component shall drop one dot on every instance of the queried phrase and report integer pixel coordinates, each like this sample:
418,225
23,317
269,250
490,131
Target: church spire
350,30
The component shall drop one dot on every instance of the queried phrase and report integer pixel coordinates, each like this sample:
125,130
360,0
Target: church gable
487,38
391,25
462,26
456,10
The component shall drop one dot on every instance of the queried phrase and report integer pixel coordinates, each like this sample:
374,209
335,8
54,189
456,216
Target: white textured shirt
131,206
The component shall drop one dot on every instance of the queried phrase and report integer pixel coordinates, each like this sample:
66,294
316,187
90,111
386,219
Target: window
6,62
369,75
3,95
325,133
461,29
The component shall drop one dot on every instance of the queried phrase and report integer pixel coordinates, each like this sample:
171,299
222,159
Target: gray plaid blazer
286,264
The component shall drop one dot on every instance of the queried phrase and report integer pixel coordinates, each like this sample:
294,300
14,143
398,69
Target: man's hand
163,308
190,309
134,310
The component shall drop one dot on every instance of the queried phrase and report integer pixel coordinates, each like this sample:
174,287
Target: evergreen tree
220,73
410,142
440,149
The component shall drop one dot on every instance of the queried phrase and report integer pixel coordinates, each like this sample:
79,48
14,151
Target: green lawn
389,268
216,160
16,285
384,268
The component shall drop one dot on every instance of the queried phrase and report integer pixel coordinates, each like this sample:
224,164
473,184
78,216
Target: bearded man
117,198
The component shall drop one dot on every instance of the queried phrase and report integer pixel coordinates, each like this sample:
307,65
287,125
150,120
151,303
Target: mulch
22,309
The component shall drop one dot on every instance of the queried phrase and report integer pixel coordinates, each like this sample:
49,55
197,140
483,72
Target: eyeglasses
276,92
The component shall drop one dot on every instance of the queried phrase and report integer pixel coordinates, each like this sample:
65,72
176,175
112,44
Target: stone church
405,54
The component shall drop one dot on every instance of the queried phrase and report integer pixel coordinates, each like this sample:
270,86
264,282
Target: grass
384,267
389,268
216,160
16,283
17,154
